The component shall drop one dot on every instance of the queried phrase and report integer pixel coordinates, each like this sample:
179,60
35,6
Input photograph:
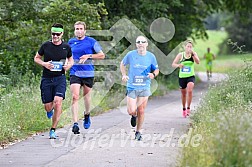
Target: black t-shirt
54,53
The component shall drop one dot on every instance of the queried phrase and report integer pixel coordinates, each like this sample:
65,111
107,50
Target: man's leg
210,71
75,90
141,103
132,107
87,98
48,106
57,110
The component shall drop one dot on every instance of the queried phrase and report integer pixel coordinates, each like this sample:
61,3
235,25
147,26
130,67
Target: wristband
154,74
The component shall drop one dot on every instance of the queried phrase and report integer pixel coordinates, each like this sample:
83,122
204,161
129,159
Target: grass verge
224,120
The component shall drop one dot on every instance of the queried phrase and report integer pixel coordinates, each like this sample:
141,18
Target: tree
240,33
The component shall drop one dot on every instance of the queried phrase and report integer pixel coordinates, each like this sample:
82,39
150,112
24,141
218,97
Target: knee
57,103
183,94
75,97
131,112
190,91
140,111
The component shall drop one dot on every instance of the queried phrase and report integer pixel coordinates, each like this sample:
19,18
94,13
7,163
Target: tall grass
224,120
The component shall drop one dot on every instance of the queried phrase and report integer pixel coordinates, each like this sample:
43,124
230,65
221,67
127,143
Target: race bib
139,80
186,69
57,65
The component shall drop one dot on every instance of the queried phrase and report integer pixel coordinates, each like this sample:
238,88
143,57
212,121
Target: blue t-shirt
139,67
79,48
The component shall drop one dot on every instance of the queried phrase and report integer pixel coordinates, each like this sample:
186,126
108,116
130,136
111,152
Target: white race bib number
57,66
186,69
139,80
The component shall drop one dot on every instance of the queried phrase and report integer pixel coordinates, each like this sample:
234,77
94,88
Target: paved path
110,140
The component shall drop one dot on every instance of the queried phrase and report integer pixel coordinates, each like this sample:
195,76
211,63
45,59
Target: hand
125,78
66,67
48,65
83,58
180,65
151,75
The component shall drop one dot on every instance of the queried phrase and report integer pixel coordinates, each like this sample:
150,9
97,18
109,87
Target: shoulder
132,52
47,43
150,53
65,44
181,54
72,40
91,39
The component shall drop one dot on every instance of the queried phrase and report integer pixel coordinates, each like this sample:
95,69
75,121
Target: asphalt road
110,139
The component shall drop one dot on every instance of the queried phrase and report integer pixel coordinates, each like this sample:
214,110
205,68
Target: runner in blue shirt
142,68
85,49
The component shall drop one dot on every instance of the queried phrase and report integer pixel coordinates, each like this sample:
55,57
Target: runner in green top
209,62
185,61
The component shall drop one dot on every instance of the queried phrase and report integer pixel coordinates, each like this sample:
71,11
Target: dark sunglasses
58,34
138,42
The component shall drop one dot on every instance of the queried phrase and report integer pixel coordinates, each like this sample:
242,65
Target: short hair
142,37
81,23
58,25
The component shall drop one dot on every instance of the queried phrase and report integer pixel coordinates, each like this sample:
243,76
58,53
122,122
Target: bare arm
99,55
153,74
123,71
196,58
69,63
175,62
39,61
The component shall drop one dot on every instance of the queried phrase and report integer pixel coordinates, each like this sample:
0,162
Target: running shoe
52,134
184,113
133,121
76,129
188,112
138,136
50,114
86,121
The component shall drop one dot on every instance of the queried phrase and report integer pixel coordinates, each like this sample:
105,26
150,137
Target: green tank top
209,57
188,69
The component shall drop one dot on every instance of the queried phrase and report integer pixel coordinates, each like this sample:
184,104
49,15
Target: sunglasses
138,42
58,34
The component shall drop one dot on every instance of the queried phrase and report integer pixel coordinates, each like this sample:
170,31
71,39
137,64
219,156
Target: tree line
25,24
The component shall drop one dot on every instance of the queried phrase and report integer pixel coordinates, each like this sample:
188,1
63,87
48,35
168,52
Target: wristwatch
90,56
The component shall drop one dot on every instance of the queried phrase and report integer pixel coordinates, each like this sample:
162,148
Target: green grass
22,113
222,63
215,38
225,64
223,118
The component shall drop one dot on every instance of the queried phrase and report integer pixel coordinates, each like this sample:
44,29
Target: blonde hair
188,41
80,23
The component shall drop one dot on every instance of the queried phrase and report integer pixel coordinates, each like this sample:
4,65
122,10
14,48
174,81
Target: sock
54,129
76,123
87,114
188,108
184,108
